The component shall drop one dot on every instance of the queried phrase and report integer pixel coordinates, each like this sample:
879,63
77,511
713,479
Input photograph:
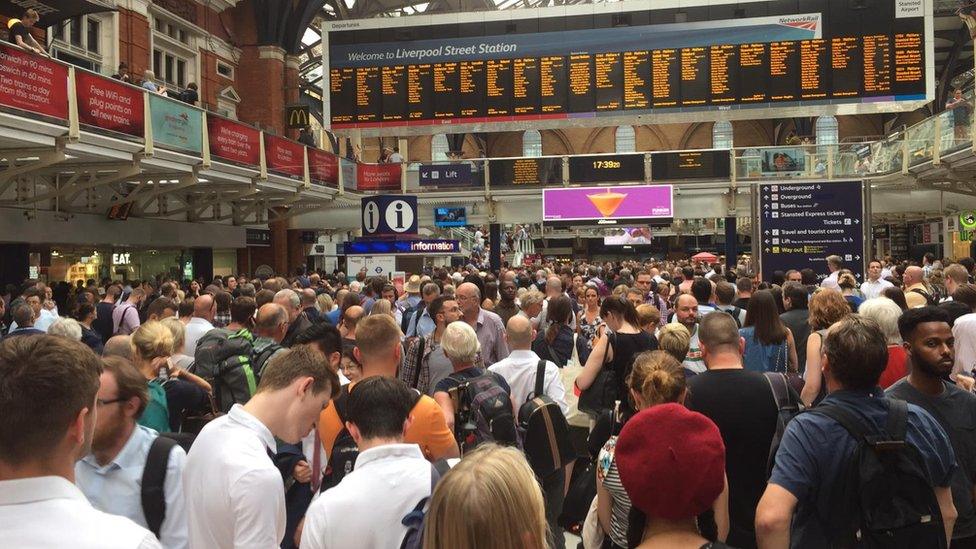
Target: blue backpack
417,518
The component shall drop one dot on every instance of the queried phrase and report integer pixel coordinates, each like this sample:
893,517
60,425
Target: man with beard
686,314
928,340
111,476
506,307
48,402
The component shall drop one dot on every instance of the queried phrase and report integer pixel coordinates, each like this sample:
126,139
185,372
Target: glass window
159,25
531,143
157,62
184,37
74,32
168,73
626,141
57,32
180,73
827,130
94,26
439,147
722,135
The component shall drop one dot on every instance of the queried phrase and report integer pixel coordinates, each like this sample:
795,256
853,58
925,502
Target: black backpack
891,501
224,360
734,313
411,312
930,300
788,405
153,494
484,414
260,354
543,430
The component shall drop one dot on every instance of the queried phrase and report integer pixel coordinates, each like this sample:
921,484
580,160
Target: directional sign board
803,223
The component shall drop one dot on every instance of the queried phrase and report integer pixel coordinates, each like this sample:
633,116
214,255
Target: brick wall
261,86
134,42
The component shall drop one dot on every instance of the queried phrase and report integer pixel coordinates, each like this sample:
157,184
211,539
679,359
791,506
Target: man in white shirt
519,369
204,309
111,476
874,285
554,289
235,495
391,478
834,265
48,390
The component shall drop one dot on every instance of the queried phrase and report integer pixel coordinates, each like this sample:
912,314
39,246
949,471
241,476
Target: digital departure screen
671,166
556,66
618,168
525,171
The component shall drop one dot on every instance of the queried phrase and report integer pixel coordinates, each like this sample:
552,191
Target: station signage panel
425,246
109,104
682,165
446,175
616,168
284,156
33,83
623,206
323,167
234,141
378,177
801,224
389,215
532,172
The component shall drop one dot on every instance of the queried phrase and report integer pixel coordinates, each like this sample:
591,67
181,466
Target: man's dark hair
436,305
114,292
955,310
83,310
159,305
966,294
129,381
857,352
23,315
324,334
702,290
242,310
168,289
45,381
223,300
744,284
910,319
688,273
808,277
797,295
300,361
968,262
263,297
718,329
185,308
378,406
724,293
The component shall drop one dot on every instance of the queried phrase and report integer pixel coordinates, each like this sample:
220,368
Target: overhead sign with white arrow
802,223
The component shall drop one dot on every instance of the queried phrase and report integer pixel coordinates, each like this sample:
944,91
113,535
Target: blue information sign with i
389,215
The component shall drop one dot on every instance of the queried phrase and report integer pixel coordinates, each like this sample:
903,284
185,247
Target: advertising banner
33,83
455,175
109,104
378,177
607,205
176,124
803,223
785,161
323,167
234,141
284,156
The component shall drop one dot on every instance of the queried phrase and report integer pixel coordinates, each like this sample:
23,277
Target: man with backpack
917,293
425,363
928,341
391,479
740,403
417,320
724,297
859,466
132,471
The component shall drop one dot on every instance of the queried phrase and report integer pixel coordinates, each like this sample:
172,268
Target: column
495,237
731,244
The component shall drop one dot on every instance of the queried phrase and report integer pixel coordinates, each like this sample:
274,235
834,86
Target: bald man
486,324
350,319
916,292
554,289
204,309
119,345
519,369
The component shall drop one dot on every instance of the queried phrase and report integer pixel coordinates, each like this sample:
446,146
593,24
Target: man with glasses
424,366
488,325
112,476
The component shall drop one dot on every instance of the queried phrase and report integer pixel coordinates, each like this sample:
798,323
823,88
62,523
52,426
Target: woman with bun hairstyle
656,378
489,500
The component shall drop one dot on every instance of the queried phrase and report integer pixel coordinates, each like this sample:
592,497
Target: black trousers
553,486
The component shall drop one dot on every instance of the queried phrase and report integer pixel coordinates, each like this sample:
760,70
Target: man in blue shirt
808,480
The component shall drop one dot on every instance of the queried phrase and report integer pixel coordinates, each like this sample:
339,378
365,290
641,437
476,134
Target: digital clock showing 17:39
606,164
618,168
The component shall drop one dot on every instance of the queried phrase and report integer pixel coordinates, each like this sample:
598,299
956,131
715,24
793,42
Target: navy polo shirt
815,451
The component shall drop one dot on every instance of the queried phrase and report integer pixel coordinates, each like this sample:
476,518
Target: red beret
671,462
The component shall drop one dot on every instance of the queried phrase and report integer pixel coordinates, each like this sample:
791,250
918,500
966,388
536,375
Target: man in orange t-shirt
379,351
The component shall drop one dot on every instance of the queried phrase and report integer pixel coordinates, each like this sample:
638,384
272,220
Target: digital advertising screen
580,206
450,217
787,160
580,63
629,236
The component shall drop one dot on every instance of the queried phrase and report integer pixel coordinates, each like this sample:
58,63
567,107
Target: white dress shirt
50,512
831,281
43,322
964,331
195,329
365,510
235,497
873,289
116,488
519,372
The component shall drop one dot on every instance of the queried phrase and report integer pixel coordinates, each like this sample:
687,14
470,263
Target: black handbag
602,393
582,490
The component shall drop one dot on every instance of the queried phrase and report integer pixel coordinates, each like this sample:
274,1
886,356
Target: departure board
525,171
470,68
617,168
672,166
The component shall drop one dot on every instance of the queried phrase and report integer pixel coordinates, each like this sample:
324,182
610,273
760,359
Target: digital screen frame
608,206
450,216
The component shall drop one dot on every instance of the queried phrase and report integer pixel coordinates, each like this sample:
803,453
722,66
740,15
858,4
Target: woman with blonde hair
675,340
489,500
826,308
657,378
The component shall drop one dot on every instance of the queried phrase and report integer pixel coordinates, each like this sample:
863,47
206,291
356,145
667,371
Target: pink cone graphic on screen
607,202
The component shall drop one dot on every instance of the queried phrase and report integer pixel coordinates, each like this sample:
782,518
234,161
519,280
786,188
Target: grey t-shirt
440,367
955,410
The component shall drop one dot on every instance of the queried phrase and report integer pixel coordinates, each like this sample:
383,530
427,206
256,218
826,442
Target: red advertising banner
378,177
234,141
323,167
284,156
33,83
110,104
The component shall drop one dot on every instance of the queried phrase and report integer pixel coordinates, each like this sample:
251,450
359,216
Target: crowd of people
637,404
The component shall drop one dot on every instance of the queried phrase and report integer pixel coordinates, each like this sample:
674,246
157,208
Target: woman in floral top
589,322
656,378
